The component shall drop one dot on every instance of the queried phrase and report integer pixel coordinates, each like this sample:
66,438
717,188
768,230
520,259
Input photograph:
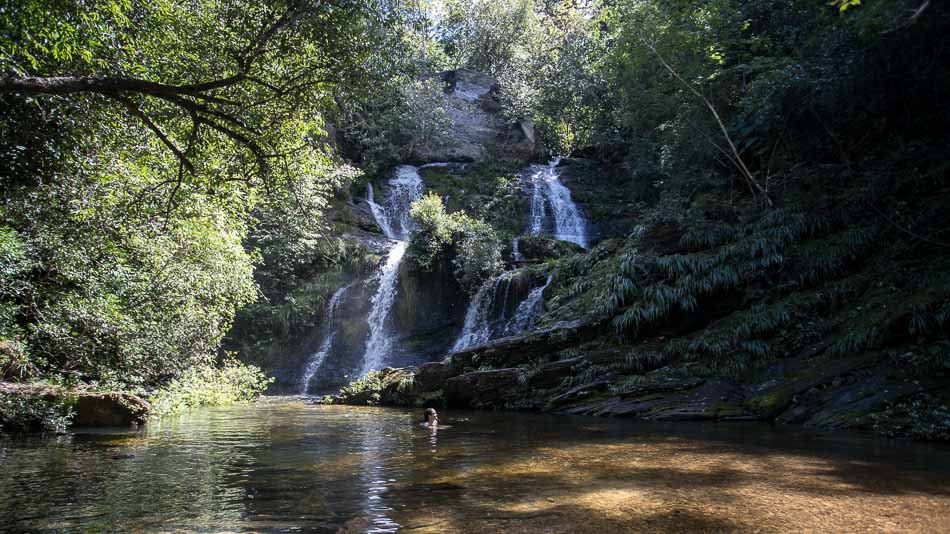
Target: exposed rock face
90,408
478,130
110,409
429,310
806,390
483,389
539,248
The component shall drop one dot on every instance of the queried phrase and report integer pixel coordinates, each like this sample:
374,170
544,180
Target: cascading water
480,324
379,212
477,328
316,359
516,250
405,187
380,340
549,193
528,310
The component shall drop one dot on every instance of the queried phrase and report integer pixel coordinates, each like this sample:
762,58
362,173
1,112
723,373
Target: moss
488,191
722,409
769,404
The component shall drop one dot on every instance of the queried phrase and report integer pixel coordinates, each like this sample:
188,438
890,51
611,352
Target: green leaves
844,5
477,246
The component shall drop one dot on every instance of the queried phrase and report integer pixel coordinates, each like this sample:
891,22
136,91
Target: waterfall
380,339
316,359
405,187
480,326
515,250
528,310
477,328
549,193
538,203
379,213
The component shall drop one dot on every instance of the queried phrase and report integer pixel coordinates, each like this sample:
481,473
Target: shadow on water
281,465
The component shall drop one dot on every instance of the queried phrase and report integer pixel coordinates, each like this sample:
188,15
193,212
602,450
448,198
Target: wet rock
551,374
110,409
432,376
578,393
711,400
776,388
483,389
89,408
538,248
517,350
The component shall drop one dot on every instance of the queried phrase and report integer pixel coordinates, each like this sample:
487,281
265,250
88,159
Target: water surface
284,466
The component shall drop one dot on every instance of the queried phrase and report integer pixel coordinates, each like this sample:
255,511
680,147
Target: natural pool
284,466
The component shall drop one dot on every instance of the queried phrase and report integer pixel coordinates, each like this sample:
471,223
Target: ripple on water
282,465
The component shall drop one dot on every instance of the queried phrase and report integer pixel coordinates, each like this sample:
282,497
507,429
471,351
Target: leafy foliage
19,412
209,385
476,247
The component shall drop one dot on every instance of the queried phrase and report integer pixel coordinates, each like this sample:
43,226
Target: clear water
284,466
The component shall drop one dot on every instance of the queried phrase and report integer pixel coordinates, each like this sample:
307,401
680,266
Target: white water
528,310
479,326
515,250
405,187
549,193
380,341
316,359
379,212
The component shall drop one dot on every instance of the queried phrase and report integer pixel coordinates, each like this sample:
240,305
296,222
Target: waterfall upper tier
553,211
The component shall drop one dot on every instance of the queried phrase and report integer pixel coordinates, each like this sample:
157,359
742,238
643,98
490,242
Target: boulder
89,408
110,409
483,389
432,376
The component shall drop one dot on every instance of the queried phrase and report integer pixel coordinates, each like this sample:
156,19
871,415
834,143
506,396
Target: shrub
25,413
476,245
207,385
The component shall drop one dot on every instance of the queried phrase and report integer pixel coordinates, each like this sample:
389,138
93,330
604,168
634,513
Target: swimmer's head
431,417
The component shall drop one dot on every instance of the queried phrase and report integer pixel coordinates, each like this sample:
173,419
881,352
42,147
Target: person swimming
430,418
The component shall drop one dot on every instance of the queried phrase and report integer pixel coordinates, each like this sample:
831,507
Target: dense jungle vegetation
175,178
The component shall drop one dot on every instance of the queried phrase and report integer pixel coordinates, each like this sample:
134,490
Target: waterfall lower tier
490,313
516,250
317,358
565,221
405,187
528,310
380,341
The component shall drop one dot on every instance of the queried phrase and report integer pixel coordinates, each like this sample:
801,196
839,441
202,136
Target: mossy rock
771,403
537,248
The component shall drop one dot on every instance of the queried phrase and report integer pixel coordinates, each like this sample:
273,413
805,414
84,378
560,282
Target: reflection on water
283,466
